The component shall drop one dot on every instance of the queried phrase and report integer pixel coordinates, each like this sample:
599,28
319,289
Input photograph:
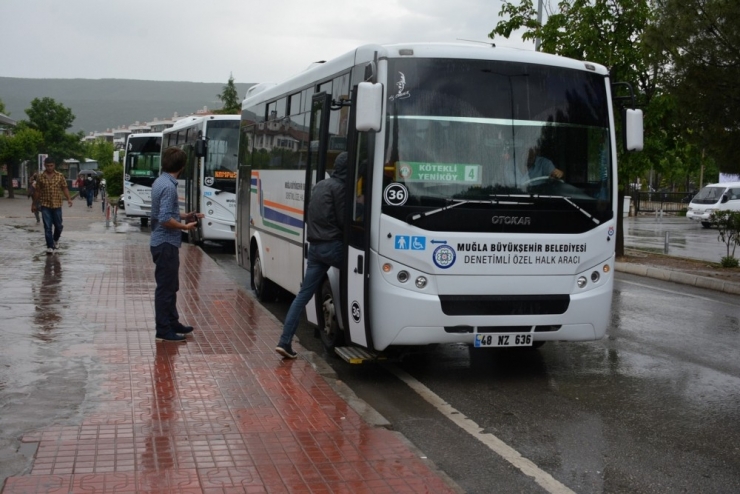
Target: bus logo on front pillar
444,256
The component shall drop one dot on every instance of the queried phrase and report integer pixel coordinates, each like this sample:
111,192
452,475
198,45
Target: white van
714,197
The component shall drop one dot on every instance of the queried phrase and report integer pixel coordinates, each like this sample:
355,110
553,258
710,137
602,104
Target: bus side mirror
369,107
633,134
201,148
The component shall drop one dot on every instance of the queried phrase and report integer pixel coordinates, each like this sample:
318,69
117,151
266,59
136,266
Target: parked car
714,197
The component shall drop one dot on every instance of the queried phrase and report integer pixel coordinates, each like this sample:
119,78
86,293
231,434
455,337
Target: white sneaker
49,251
56,245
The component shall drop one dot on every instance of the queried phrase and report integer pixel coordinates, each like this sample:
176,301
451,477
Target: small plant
729,262
728,226
2,191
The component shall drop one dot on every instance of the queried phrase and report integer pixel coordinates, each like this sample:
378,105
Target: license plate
502,340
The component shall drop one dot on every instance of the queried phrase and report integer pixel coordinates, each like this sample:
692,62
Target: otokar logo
512,220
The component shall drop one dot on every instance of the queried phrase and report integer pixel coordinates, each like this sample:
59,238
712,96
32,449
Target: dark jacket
326,207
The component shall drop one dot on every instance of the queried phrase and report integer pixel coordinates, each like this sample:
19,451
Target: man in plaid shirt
51,188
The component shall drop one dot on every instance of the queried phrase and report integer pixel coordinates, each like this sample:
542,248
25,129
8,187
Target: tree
53,119
699,40
100,151
16,148
728,225
608,32
113,175
2,108
230,98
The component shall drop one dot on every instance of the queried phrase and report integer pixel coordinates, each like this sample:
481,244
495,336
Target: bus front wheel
263,287
329,332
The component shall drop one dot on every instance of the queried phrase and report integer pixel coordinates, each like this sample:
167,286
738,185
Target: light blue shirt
515,177
165,205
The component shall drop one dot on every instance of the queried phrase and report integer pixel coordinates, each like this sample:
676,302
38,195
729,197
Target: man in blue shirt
167,229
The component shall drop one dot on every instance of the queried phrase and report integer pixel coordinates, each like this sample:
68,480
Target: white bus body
208,183
140,170
446,241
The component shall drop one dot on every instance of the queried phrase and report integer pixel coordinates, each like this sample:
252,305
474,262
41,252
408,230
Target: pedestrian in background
51,189
165,242
325,234
31,192
89,190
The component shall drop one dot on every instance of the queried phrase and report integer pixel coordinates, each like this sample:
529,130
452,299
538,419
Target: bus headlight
595,276
581,281
209,204
403,276
421,282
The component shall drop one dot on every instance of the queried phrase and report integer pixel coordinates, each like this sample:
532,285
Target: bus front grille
503,305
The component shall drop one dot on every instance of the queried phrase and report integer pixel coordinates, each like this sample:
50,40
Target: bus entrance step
357,355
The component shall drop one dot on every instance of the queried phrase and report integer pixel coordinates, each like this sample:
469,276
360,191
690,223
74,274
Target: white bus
208,184
140,170
447,239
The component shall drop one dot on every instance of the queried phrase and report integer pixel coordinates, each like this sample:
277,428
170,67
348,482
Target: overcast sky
206,40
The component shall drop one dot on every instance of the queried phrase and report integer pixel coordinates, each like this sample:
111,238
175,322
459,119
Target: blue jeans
166,259
90,196
321,256
52,217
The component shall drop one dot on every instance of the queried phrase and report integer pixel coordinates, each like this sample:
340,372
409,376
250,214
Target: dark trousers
166,259
52,218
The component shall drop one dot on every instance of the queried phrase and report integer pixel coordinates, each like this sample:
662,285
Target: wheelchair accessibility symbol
406,242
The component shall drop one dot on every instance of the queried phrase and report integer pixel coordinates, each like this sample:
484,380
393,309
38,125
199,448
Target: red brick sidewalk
220,414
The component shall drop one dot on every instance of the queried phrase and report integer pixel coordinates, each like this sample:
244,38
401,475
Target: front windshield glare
479,129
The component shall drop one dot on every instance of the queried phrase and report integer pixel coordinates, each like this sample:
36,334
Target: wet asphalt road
674,235
654,407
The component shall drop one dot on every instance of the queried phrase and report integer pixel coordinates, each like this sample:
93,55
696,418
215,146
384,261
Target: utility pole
537,41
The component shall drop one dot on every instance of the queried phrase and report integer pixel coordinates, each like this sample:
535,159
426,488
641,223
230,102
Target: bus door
318,140
200,150
355,276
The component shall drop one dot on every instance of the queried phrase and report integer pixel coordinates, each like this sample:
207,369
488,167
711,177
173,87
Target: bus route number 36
502,340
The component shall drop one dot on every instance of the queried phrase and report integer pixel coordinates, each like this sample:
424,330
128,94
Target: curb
679,277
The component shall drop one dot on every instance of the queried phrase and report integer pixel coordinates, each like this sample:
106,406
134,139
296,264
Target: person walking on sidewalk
89,188
51,187
164,245
32,194
325,234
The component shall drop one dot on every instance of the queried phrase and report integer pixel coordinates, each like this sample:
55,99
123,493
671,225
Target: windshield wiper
569,201
459,202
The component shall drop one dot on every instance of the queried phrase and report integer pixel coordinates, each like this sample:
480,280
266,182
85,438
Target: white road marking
527,467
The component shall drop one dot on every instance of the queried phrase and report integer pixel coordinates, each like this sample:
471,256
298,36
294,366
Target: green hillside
100,104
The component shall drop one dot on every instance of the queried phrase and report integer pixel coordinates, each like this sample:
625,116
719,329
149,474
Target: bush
2,191
729,262
728,226
113,175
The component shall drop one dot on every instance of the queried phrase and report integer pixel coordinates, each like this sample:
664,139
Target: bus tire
144,221
263,288
706,224
329,332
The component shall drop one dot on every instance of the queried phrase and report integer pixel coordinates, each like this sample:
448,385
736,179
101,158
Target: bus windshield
484,134
142,159
221,161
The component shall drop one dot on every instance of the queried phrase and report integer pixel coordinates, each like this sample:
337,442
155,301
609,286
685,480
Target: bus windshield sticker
414,171
401,85
395,194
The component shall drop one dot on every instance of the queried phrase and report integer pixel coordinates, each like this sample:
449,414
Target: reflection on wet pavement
221,413
47,298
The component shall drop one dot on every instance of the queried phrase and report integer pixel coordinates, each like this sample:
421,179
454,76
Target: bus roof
198,119
366,54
